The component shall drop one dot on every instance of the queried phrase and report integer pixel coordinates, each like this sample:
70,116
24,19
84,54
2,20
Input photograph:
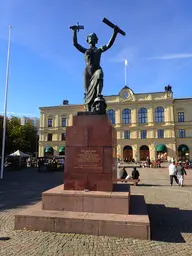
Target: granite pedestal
90,161
89,202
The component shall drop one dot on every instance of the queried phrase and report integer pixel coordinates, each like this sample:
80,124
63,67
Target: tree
22,137
13,135
1,131
29,138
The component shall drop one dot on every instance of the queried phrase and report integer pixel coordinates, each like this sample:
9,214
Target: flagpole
5,103
125,74
125,71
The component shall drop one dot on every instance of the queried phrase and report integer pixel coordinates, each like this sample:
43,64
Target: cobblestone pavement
170,210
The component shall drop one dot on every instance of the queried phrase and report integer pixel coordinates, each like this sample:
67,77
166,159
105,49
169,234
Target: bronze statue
93,74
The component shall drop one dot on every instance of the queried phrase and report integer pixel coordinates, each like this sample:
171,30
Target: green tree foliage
22,137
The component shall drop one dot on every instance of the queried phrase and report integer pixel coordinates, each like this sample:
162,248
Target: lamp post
154,143
37,136
176,153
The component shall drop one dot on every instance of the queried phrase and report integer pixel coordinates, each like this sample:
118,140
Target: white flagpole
125,63
5,103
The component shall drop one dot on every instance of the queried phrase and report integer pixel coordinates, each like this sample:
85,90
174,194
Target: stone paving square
170,211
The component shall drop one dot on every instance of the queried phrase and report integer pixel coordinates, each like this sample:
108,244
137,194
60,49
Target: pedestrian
123,174
118,164
39,164
135,174
148,161
54,164
29,162
180,173
159,163
172,173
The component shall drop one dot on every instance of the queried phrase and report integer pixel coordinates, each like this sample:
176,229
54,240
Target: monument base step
58,199
135,225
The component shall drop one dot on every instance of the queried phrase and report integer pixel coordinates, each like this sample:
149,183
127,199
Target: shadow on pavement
162,185
121,187
5,238
167,223
20,188
138,205
149,185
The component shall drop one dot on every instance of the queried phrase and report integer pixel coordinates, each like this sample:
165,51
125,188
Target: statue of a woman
93,74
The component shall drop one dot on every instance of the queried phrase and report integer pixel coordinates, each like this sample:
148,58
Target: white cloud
18,114
127,53
172,56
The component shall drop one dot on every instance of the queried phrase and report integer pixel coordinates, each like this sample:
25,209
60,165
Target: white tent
19,153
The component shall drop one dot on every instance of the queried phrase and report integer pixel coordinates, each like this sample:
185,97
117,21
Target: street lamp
36,147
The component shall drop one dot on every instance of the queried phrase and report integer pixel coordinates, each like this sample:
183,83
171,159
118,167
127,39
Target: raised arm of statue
75,43
111,41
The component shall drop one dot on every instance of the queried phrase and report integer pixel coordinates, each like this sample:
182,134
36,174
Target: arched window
48,151
144,152
159,115
126,116
183,152
111,114
127,153
142,115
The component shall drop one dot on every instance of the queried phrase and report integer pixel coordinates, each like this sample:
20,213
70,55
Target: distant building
147,124
32,120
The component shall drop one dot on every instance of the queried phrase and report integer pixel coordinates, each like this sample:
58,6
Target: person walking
148,161
180,173
172,173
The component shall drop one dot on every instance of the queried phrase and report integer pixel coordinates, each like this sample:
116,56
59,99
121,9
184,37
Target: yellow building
147,124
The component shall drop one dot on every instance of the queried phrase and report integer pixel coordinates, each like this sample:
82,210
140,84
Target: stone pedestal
80,201
90,161
89,203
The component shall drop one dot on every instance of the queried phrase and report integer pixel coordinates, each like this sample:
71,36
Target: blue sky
45,68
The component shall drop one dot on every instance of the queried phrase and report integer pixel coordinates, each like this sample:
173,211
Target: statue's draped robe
93,75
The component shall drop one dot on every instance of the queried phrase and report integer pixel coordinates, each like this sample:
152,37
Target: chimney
65,102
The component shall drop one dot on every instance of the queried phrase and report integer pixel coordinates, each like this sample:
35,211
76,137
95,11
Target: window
182,133
63,136
111,114
126,116
159,114
180,116
50,122
143,134
142,115
64,122
160,133
126,135
49,137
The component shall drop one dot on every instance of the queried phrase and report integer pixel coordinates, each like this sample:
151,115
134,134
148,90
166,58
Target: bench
130,181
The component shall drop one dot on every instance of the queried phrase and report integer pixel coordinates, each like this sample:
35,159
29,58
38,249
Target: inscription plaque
88,158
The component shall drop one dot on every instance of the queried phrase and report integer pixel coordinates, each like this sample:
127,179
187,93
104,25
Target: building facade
147,124
35,121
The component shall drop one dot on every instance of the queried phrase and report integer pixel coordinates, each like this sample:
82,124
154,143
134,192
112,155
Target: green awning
161,148
183,148
61,149
48,150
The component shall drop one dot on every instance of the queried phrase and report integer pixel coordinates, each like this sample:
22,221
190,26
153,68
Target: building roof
114,95
182,99
63,106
